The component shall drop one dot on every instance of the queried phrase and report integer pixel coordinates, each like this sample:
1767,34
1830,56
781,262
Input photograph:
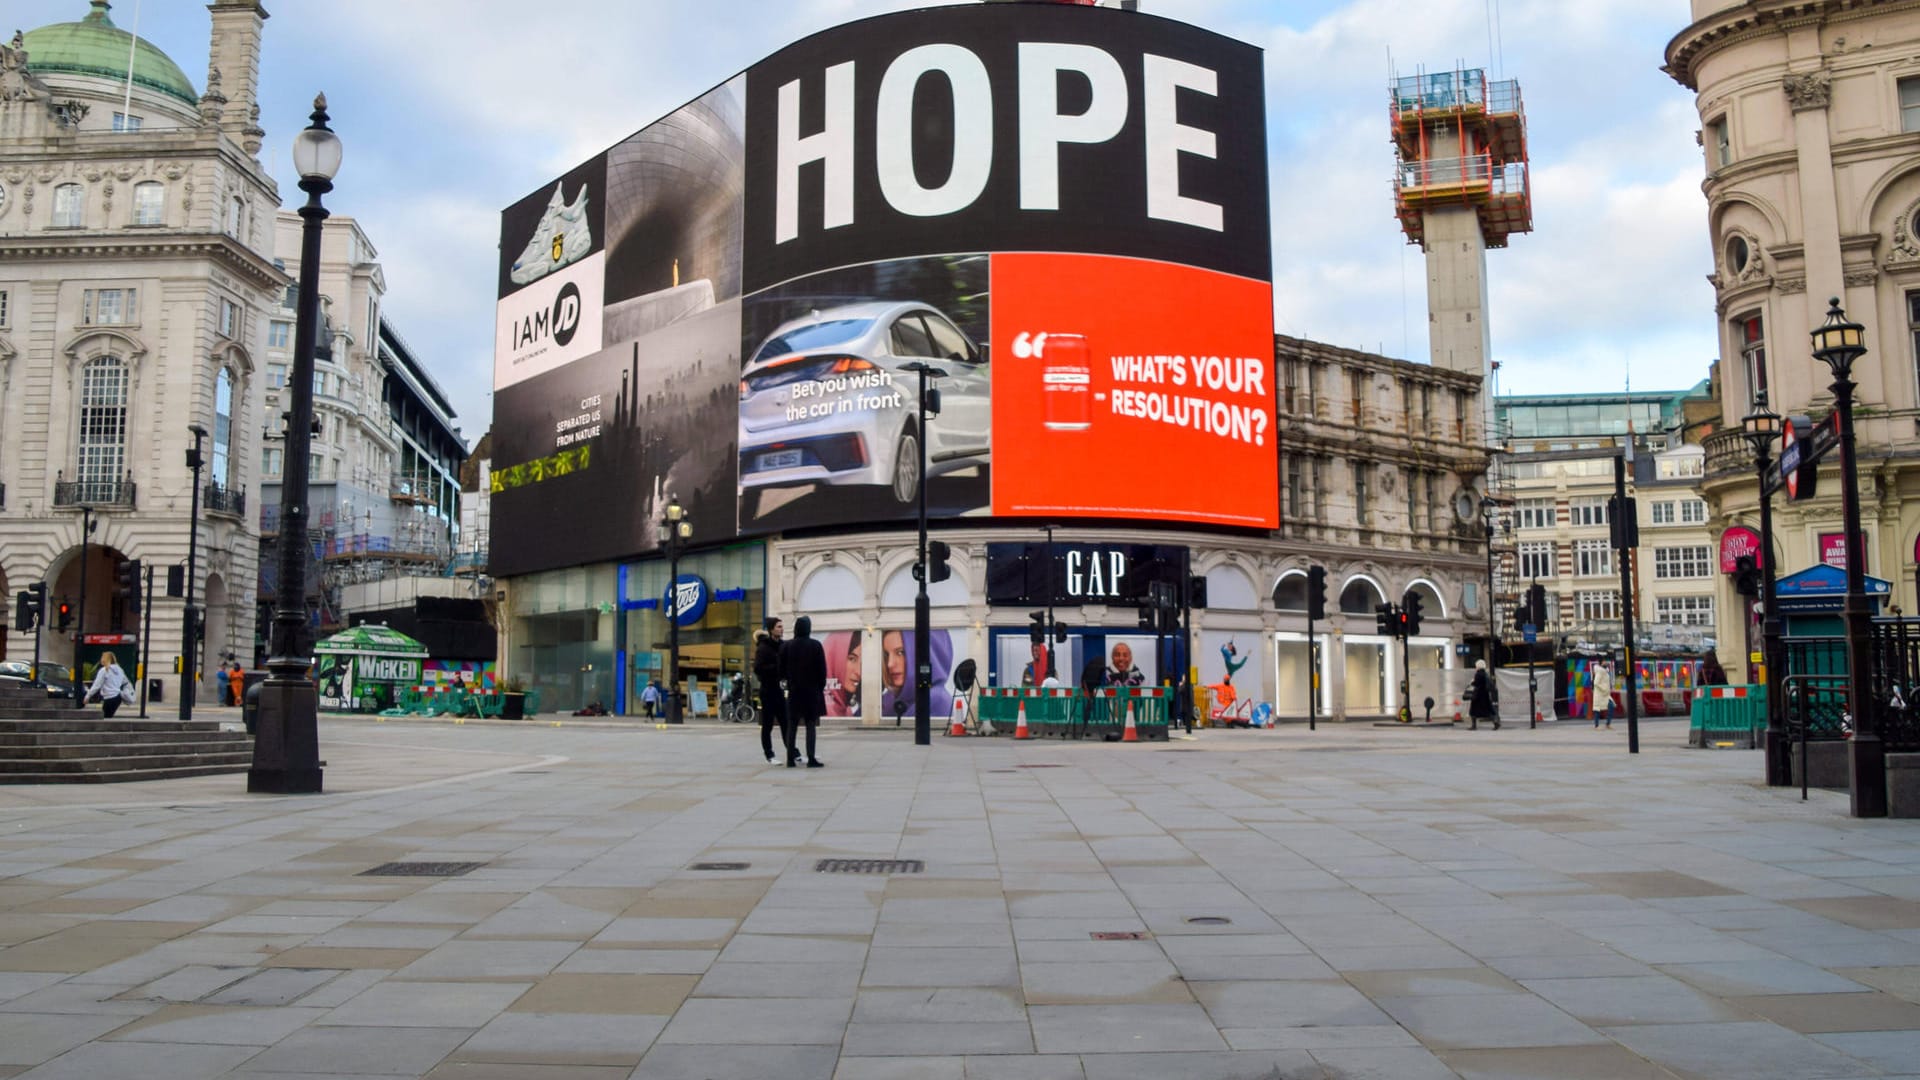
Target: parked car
842,370
51,677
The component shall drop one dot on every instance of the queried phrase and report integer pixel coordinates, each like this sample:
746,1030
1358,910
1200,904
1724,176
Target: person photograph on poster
829,421
896,672
844,649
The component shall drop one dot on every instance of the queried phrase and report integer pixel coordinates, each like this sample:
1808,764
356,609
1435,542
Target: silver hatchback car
824,401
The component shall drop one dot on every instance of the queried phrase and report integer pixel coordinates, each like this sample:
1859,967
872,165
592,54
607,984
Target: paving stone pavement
1348,903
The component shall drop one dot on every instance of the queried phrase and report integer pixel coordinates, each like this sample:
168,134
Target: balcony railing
1729,453
221,499
78,493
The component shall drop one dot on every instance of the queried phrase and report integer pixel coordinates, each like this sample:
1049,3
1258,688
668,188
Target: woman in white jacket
110,686
1603,694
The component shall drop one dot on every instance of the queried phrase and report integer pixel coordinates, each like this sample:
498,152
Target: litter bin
153,689
250,698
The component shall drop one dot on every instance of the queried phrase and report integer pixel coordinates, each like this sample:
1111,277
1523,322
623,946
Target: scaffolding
1461,140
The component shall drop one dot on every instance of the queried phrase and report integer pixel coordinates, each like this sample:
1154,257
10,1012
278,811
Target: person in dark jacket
1481,697
1711,673
773,700
804,663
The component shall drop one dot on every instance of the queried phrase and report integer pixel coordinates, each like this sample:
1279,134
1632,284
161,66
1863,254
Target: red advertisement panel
1132,389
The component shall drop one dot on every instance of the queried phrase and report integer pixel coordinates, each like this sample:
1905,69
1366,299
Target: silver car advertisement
1027,198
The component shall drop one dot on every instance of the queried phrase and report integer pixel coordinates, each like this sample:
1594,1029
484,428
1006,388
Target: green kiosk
364,668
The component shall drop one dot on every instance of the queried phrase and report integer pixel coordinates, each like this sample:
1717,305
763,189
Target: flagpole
133,43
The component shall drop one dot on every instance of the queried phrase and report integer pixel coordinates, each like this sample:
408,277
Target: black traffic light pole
146,642
1316,609
80,618
190,620
39,588
1537,608
922,607
1626,528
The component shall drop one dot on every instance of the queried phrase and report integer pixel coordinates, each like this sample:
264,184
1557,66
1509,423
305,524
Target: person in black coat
804,663
773,700
1481,697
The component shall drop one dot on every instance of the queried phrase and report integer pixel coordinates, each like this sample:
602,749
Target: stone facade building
136,282
1810,126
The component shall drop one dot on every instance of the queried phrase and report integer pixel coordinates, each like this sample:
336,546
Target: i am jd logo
558,322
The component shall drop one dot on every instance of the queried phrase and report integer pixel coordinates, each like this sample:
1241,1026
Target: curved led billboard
1062,210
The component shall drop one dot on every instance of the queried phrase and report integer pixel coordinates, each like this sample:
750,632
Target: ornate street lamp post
1762,426
286,746
678,530
1838,343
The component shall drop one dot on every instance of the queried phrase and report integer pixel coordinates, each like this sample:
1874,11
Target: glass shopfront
721,600
562,636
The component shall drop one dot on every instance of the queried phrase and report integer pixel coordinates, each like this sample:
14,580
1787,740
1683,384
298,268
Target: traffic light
1623,523
1537,604
126,584
1384,619
937,555
1410,606
66,617
176,582
23,611
1037,632
1746,575
1316,593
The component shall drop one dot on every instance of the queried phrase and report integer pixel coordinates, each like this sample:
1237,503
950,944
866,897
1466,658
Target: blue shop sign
690,599
1822,588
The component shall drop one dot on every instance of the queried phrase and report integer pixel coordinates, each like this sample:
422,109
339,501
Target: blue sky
450,109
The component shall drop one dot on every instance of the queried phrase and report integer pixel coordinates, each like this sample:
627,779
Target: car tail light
850,363
744,391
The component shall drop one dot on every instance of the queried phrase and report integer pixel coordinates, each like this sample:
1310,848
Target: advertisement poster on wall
845,649
1833,550
1061,209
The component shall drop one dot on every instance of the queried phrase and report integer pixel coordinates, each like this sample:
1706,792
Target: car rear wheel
906,467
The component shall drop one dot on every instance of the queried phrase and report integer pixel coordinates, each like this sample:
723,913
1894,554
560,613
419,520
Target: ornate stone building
1810,124
136,276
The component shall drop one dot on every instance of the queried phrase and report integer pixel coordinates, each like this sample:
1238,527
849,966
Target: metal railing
1817,687
221,499
1728,453
78,493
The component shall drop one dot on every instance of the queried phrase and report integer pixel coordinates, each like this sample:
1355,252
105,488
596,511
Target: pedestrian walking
1482,698
804,664
1602,694
650,698
773,699
1711,673
237,683
111,687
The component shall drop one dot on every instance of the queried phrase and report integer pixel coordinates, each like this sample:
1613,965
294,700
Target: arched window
69,206
103,429
223,429
1360,597
1290,594
149,203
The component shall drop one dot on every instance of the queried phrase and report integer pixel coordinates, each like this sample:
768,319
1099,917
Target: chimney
235,54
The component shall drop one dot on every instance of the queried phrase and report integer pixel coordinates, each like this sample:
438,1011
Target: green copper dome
94,46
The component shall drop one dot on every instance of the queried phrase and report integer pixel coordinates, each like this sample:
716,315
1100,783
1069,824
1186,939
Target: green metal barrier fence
1074,714
1734,714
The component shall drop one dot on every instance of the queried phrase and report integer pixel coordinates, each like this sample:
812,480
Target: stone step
83,722
53,710
127,775
125,749
10,738
141,766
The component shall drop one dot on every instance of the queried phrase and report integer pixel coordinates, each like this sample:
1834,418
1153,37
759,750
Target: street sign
1530,635
1802,444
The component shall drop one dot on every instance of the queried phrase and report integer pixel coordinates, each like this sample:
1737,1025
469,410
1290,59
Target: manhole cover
719,866
1209,920
1118,935
422,869
869,866
1041,765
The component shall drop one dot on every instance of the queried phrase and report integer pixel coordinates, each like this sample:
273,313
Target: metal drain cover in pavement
422,869
869,866
719,866
1209,920
1118,935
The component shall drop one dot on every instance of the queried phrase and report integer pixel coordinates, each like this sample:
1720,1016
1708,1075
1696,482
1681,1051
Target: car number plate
780,459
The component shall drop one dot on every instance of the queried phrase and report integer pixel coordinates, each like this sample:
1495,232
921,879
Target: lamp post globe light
1838,343
286,747
679,529
1762,428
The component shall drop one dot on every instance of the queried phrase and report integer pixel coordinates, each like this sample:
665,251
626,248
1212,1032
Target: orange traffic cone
1020,723
959,726
1132,734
